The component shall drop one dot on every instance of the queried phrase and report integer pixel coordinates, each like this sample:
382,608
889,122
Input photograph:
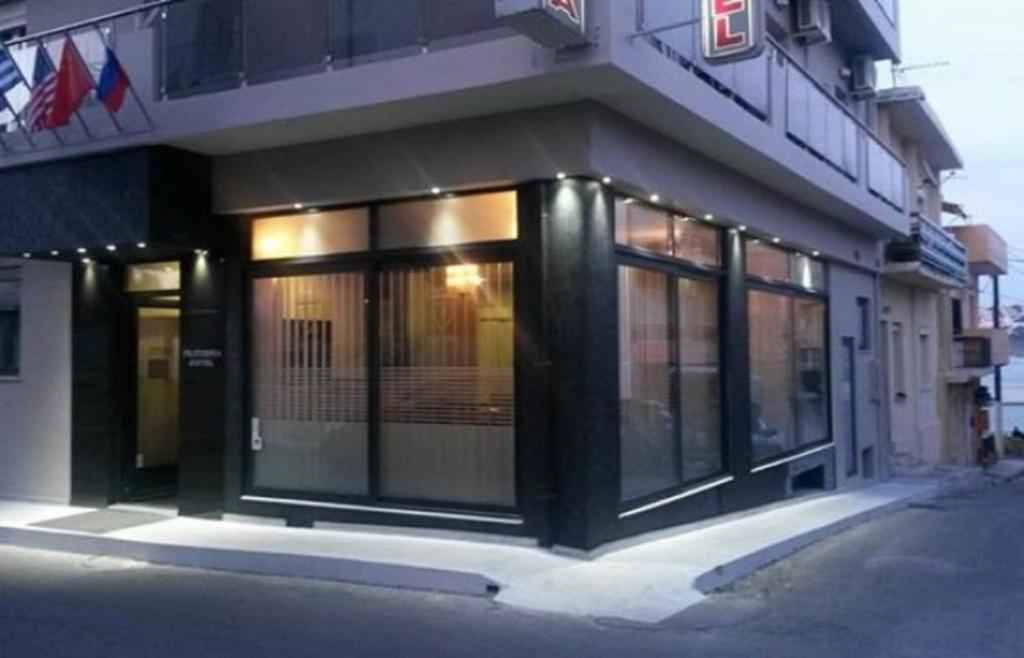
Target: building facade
415,266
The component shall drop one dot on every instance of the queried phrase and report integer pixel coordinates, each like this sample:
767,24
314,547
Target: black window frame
372,263
15,317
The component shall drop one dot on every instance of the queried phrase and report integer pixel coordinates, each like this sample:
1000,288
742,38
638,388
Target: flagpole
81,121
81,60
131,86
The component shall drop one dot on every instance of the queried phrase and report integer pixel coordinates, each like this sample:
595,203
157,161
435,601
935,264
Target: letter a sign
732,29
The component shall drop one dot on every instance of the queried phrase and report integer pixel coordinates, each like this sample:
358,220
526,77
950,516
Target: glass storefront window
695,242
310,383
643,227
311,234
774,264
447,393
10,321
789,384
650,459
153,277
449,222
670,415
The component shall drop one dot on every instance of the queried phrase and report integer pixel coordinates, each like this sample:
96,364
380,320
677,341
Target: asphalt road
941,580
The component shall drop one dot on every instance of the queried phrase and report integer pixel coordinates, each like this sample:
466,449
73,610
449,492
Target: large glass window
310,383
311,234
10,321
449,222
645,227
670,418
789,386
780,266
447,384
153,277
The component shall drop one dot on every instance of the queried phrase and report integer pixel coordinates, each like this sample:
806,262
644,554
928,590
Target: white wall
35,408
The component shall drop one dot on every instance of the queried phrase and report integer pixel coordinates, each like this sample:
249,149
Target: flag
74,82
44,86
9,75
114,83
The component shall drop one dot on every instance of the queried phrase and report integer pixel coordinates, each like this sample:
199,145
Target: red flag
74,82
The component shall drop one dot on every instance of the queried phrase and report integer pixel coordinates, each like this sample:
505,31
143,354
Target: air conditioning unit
864,77
813,21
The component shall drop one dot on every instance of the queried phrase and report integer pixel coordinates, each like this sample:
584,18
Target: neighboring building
342,262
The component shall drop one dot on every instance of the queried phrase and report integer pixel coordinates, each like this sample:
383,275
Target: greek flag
9,76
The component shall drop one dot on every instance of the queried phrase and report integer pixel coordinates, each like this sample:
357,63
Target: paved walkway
646,579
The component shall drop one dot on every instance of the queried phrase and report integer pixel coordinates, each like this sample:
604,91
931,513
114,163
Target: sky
979,97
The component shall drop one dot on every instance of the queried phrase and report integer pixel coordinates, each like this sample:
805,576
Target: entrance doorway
154,424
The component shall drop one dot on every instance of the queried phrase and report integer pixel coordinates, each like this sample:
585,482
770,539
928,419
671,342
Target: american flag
44,89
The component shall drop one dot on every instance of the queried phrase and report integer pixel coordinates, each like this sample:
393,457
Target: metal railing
208,45
972,352
779,91
933,247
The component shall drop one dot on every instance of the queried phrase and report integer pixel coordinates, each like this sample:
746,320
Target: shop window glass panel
772,371
700,414
310,383
380,27
447,222
641,226
650,455
447,19
311,234
695,242
767,262
153,277
807,272
202,45
10,321
812,378
447,384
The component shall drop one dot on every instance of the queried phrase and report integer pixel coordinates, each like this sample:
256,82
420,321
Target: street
942,579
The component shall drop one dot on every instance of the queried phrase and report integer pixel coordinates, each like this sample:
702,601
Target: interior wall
35,407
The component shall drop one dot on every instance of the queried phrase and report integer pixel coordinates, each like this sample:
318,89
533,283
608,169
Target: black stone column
99,394
203,385
580,299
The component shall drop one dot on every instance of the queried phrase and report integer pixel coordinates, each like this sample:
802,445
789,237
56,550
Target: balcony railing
217,44
972,353
933,247
778,91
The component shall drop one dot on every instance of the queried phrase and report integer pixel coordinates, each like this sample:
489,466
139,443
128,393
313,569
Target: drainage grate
101,522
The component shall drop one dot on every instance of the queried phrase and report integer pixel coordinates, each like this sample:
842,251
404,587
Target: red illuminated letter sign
733,29
567,7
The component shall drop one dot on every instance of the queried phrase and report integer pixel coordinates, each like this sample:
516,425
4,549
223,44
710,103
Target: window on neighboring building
925,343
958,317
898,361
10,321
864,324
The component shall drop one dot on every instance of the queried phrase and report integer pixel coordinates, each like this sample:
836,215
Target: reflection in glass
153,277
812,398
310,383
773,426
447,394
642,226
450,221
696,242
311,234
767,262
157,387
650,457
700,415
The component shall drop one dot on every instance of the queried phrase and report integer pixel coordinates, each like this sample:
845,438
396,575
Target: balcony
987,253
931,258
868,26
998,340
972,353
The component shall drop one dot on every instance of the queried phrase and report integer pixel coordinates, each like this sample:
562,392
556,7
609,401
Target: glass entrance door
157,391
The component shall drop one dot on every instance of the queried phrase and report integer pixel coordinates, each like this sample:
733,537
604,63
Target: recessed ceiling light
435,191
816,253
709,217
743,227
111,247
86,261
81,250
297,206
776,240
607,180
560,175
141,245
26,255
655,198
55,253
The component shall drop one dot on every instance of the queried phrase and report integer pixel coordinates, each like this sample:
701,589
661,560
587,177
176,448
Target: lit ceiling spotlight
655,198
55,253
743,228
26,255
86,261
607,180
141,245
202,252
297,206
709,217
111,248
815,253
81,250
776,240
561,175
436,191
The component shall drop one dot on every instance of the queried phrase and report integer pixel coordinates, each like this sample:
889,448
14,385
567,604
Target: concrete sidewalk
645,579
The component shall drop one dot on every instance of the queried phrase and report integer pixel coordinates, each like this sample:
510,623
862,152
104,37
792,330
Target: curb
730,572
376,574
